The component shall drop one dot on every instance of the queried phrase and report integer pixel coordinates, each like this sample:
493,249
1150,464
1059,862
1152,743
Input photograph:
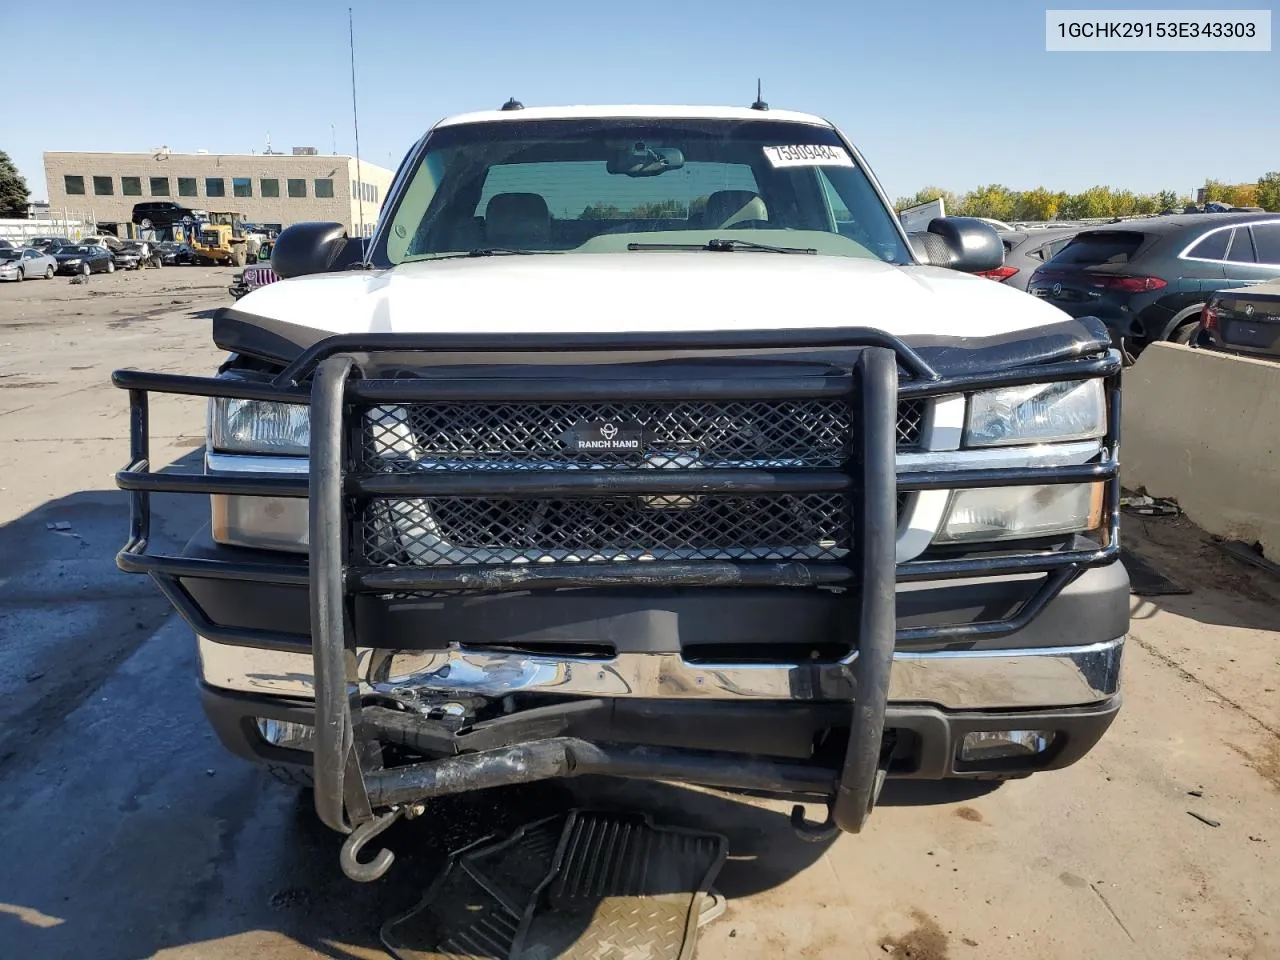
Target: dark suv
1148,279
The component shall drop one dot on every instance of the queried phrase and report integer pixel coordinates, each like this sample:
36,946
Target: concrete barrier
1204,428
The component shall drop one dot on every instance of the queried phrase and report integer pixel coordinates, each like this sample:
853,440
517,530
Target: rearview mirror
309,248
961,243
642,160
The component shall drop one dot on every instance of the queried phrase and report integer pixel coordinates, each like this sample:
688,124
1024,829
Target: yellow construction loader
221,240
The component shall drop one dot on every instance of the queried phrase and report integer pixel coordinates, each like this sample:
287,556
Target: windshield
79,248
7,254
596,186
131,247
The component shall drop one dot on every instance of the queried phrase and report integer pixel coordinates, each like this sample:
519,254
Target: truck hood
644,291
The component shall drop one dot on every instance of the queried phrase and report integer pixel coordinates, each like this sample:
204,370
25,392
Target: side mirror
961,243
308,248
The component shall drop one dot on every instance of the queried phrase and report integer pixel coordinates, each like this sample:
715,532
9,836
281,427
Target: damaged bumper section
733,611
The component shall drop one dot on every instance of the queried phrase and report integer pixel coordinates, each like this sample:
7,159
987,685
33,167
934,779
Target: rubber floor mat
475,907
621,887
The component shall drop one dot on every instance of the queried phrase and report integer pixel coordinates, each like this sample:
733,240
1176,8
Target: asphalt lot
128,832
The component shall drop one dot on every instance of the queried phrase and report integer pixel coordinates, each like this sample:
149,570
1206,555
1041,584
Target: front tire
111,266
48,273
85,269
22,275
1185,333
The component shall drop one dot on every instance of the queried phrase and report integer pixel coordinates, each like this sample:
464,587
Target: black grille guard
347,775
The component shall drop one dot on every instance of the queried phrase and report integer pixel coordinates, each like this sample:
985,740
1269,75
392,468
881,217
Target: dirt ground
129,832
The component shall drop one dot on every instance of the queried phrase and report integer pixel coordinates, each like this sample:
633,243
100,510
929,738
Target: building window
241,187
215,187
324,188
373,193
159,186
269,188
297,188
131,186
186,186
102,187
74,186
354,184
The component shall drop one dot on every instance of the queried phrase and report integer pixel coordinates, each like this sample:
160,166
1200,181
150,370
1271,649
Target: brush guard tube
349,791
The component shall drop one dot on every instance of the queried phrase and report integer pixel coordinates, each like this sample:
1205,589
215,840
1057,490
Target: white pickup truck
643,441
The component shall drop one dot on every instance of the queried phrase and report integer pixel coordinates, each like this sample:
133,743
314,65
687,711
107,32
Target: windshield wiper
722,246
484,252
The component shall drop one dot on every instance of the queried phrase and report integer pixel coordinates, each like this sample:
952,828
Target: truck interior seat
727,208
517,220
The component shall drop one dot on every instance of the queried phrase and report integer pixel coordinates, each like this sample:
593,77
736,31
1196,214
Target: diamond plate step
475,907
622,887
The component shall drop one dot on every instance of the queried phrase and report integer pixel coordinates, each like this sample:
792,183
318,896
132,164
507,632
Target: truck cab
643,441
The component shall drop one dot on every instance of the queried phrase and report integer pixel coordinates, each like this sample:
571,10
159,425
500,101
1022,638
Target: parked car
173,253
103,240
1025,250
84,259
26,263
485,541
133,254
7,244
1148,279
1244,321
47,244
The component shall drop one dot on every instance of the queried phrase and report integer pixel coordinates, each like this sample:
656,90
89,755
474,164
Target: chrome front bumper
1038,678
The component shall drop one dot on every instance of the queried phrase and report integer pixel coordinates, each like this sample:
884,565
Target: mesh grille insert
480,530
765,433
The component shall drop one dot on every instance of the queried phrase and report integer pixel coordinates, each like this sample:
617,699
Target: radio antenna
759,104
355,123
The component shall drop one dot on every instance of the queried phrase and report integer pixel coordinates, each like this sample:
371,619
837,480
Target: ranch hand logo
605,437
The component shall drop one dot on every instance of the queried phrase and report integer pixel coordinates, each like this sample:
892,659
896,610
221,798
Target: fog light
286,733
1003,744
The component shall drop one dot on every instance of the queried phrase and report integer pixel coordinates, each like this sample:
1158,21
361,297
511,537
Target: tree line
999,202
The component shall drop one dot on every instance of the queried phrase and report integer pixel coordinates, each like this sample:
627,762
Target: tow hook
348,858
812,830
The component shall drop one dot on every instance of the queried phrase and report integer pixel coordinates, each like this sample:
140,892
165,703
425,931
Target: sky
948,93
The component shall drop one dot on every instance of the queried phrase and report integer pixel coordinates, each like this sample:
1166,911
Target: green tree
1243,195
1123,203
926,195
13,190
1145,204
995,201
1167,200
1094,202
1269,191
600,211
1215,190
1036,204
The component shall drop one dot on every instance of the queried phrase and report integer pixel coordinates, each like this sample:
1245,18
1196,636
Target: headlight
1019,513
259,426
1071,410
